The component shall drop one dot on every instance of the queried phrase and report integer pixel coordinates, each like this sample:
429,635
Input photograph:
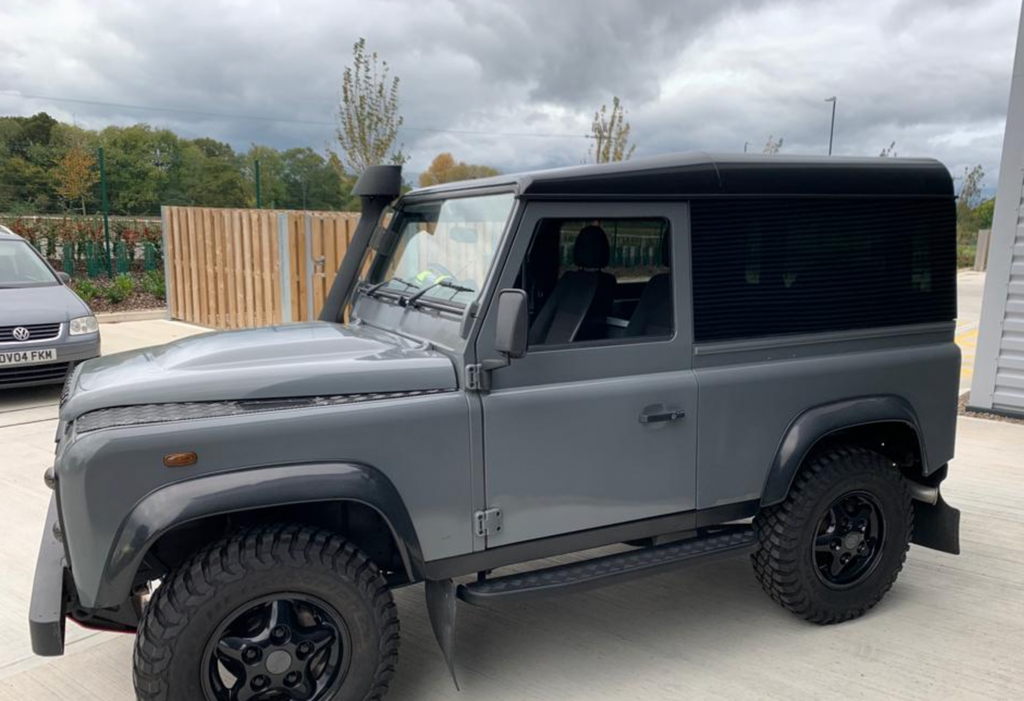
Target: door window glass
599,279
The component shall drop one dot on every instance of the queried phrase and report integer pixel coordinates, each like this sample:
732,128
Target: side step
609,569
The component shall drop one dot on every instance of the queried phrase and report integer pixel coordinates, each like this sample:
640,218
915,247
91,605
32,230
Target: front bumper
48,607
69,353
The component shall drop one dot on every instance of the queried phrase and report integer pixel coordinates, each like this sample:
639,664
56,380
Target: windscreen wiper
444,282
369,291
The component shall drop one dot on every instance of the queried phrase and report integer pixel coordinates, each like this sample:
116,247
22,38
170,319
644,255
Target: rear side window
775,267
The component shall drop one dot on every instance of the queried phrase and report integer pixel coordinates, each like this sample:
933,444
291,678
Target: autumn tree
773,145
610,132
445,169
368,118
76,174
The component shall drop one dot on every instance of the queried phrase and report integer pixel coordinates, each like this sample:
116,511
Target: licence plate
28,357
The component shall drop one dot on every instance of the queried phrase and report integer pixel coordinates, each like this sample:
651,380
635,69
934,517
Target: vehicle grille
54,372
69,377
37,332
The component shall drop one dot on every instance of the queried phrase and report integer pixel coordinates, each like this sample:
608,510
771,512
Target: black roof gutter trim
574,197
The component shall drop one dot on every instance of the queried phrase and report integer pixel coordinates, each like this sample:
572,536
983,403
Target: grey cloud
932,75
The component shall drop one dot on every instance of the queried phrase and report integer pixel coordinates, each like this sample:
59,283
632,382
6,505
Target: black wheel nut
292,678
251,654
305,648
279,633
259,682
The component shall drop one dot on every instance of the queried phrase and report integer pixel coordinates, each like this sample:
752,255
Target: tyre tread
233,557
776,561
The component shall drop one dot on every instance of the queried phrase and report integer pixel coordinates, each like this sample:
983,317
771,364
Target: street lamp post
832,127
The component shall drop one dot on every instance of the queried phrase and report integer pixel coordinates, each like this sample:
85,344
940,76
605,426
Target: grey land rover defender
684,358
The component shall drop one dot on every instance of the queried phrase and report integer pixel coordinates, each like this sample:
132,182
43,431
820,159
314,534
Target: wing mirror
511,334
63,277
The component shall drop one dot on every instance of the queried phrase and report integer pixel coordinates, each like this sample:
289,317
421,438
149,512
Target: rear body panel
757,391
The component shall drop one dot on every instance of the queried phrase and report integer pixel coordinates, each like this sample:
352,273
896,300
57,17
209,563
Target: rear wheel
835,546
281,613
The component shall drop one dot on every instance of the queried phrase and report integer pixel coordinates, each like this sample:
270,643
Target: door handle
661,416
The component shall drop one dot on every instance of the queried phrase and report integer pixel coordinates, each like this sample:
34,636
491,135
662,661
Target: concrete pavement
970,287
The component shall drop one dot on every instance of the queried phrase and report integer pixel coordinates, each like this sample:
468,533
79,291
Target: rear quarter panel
750,394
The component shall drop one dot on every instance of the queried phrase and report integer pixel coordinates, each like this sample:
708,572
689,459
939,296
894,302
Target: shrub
86,289
153,282
120,289
965,254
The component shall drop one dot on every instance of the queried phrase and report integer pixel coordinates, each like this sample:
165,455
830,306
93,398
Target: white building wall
998,381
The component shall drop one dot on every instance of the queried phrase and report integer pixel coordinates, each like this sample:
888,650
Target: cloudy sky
515,84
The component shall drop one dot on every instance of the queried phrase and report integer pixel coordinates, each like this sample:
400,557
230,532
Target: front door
596,425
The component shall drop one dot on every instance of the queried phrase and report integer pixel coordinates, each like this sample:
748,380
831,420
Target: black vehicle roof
705,174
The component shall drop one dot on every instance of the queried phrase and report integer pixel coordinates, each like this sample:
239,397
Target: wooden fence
241,268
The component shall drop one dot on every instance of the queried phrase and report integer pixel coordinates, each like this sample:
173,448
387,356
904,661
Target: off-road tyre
785,562
186,610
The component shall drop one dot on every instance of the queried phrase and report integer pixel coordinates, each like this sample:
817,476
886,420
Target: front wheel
835,546
280,612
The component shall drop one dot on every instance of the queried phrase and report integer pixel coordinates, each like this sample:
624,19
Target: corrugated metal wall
999,366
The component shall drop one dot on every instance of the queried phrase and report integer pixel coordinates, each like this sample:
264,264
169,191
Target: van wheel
835,546
278,612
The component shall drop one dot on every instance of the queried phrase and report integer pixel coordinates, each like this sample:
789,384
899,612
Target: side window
776,267
599,280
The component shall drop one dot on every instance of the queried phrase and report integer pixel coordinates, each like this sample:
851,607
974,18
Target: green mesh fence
121,257
68,258
149,256
95,266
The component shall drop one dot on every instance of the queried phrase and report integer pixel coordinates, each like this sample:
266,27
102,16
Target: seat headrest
591,248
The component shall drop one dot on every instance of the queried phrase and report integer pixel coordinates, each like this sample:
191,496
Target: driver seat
582,298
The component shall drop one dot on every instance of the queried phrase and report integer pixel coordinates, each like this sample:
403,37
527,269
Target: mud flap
441,607
937,526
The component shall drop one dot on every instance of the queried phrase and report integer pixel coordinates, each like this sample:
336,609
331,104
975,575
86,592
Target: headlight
84,324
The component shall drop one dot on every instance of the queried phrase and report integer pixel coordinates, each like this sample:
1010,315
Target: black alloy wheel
849,539
283,647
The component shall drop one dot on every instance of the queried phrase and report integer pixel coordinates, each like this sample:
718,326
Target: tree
311,181
610,132
888,151
444,169
773,145
273,191
967,200
983,213
368,118
76,175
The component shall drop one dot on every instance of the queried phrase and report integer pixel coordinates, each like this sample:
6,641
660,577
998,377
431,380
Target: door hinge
477,378
487,522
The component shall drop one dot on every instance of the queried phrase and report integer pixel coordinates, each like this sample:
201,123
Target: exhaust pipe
921,492
377,187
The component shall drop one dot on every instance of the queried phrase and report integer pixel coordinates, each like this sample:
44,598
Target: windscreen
446,247
21,266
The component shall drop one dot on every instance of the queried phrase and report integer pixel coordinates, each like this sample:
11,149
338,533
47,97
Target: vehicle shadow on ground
21,398
688,622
